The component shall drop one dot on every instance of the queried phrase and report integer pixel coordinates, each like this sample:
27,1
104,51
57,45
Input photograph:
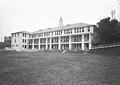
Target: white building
20,40
71,36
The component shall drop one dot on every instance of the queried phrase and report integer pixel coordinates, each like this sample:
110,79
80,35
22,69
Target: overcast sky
32,15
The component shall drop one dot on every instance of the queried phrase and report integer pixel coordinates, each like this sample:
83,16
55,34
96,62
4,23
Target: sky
32,15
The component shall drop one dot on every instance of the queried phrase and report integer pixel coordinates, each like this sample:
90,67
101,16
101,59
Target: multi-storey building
7,39
71,36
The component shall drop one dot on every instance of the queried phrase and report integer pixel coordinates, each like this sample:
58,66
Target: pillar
39,44
90,40
69,42
27,44
59,43
50,44
46,44
82,41
33,44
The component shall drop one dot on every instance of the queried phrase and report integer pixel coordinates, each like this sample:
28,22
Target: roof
68,26
22,32
62,27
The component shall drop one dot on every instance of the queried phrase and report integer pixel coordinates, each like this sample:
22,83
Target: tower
113,14
60,22
118,10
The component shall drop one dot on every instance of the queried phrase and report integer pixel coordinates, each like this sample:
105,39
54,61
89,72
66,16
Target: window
52,33
23,40
75,30
15,40
40,35
64,31
17,45
68,31
48,40
23,46
30,41
55,32
88,29
55,40
76,38
25,35
61,32
71,31
36,41
78,30
86,37
65,39
29,36
43,40
82,29
34,35
47,34
58,32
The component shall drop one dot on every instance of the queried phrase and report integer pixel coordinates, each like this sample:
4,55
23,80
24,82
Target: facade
20,40
7,39
70,37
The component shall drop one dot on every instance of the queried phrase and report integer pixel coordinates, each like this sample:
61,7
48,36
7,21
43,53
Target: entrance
86,46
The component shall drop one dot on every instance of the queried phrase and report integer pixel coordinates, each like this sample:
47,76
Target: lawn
55,68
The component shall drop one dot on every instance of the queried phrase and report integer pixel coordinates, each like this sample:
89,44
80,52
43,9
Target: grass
99,67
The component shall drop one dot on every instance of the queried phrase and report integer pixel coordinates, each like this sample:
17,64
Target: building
7,41
118,10
20,40
71,36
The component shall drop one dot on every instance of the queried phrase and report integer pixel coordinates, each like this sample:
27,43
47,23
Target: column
39,44
50,43
82,41
46,44
59,43
27,44
33,44
90,41
70,42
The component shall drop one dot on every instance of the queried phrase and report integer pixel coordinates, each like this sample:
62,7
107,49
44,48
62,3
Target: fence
106,46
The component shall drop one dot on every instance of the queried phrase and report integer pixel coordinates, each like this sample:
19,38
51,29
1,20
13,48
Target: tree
1,45
108,31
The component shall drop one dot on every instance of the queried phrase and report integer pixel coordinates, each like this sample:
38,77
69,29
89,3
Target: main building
70,37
